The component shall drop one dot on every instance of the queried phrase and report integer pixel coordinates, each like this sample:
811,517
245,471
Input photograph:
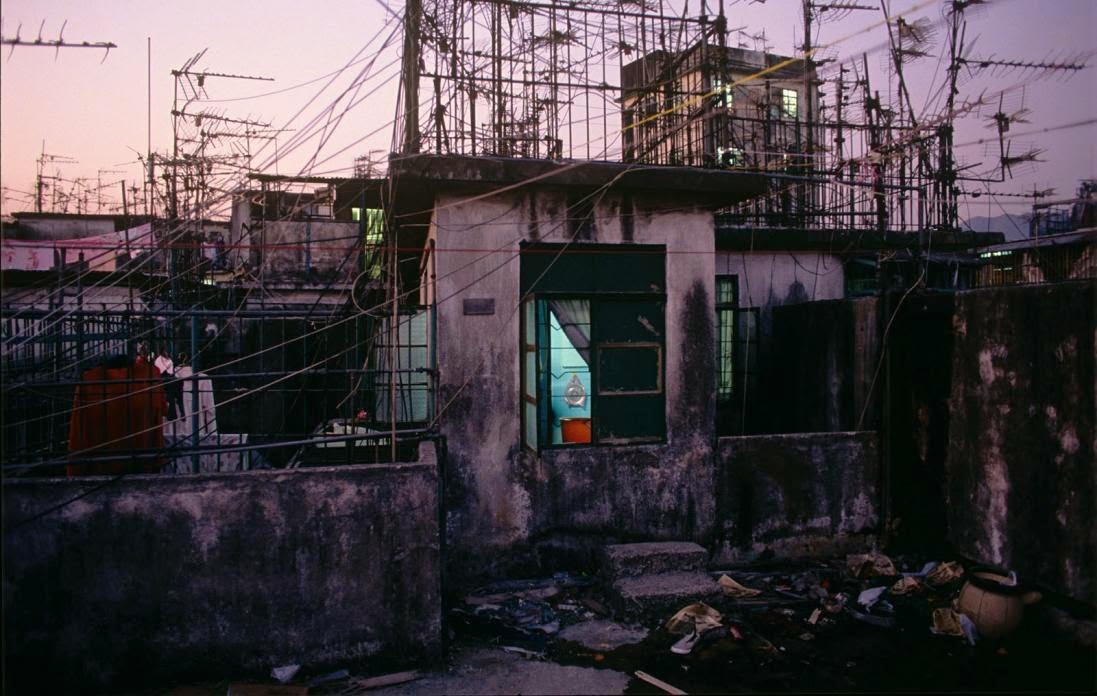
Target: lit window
729,157
789,102
721,94
593,341
373,231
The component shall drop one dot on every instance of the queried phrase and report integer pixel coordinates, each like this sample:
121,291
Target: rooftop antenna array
57,44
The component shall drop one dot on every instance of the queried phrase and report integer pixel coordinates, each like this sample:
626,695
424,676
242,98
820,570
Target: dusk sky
95,112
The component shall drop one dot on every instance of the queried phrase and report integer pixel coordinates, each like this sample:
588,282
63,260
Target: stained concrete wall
799,495
1021,471
502,498
309,249
154,578
66,227
770,279
819,366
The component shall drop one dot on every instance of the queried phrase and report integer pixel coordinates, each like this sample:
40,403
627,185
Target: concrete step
633,560
661,593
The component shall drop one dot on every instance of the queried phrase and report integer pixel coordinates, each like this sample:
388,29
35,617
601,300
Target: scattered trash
906,585
734,589
284,674
949,622
835,604
881,621
970,632
685,645
946,622
523,652
815,614
807,635
527,615
870,565
870,597
658,683
329,677
696,617
762,644
386,680
945,573
926,570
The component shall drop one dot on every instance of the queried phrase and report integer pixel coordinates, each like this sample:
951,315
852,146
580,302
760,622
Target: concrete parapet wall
1021,471
152,578
797,495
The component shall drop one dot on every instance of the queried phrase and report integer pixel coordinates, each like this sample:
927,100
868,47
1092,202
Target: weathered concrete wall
154,578
770,279
74,227
310,249
796,495
819,366
1021,472
500,497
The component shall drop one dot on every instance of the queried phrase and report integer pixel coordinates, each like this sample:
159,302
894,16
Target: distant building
1080,212
703,108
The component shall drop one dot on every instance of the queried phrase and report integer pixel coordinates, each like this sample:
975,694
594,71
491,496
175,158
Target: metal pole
194,389
80,320
412,13
150,205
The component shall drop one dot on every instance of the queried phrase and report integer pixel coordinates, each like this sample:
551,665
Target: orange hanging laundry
117,409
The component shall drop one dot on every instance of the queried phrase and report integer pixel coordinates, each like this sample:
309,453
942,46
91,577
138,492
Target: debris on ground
603,635
658,683
384,680
906,585
734,589
870,565
532,654
946,622
686,644
849,624
945,573
285,673
527,613
697,617
329,677
869,597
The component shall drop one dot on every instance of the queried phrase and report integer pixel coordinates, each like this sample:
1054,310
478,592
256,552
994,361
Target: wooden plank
386,680
659,683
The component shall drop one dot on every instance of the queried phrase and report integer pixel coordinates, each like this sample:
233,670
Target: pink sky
96,112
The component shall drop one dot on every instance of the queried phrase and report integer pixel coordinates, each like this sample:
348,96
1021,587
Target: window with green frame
593,344
790,102
372,221
727,306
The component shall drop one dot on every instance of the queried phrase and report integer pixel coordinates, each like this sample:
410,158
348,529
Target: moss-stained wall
158,578
1021,474
502,498
796,495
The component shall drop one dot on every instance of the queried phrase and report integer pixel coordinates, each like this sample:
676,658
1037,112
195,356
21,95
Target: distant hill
1014,227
